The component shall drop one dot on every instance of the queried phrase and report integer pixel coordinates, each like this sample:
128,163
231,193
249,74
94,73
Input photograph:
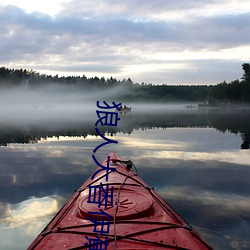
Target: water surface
193,158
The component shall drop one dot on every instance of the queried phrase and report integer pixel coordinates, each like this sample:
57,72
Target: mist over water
61,102
44,103
57,109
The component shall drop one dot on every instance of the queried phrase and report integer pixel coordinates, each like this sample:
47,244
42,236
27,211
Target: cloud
65,32
144,10
92,37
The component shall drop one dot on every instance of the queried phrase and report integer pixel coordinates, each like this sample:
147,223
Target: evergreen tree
246,69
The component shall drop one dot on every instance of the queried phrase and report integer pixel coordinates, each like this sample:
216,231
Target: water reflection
33,209
233,121
193,161
20,222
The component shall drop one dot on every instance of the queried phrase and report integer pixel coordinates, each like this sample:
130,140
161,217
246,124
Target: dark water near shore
197,160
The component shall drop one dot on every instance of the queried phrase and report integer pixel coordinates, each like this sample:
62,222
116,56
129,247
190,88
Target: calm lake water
197,160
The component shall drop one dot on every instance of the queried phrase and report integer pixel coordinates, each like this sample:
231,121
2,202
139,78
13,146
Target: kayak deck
134,217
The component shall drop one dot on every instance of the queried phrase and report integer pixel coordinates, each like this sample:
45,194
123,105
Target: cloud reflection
29,211
228,203
22,222
222,213
223,156
185,144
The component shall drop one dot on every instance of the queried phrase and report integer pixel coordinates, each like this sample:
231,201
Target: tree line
236,91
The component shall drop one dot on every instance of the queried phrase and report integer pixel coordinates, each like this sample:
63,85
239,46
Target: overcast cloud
160,41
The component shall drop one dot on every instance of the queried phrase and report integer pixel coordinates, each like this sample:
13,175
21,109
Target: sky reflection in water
199,171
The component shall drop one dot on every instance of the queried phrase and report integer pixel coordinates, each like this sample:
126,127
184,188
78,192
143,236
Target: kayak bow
134,217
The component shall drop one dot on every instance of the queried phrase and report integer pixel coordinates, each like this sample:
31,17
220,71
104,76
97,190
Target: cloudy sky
157,41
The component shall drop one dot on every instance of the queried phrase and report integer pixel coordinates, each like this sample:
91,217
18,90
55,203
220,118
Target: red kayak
116,209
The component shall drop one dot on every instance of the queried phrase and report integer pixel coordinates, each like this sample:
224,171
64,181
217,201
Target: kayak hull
133,217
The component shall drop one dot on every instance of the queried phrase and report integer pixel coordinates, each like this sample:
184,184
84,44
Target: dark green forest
225,93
